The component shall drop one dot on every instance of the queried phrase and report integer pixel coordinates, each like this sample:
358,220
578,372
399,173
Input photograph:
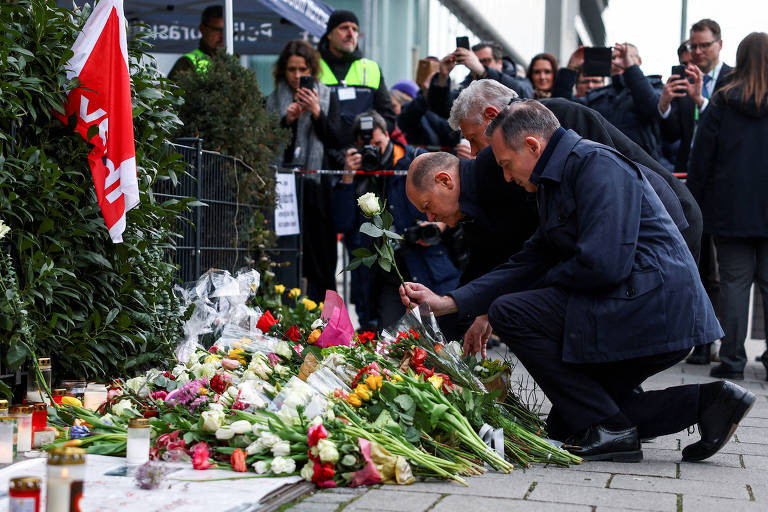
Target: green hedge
98,309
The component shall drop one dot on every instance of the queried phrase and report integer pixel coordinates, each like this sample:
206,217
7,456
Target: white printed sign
287,210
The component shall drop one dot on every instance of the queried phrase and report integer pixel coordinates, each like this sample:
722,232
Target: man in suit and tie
681,105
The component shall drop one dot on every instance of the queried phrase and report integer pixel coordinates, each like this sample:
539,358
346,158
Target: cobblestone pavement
735,479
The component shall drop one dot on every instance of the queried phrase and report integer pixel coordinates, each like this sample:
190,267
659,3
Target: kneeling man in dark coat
602,296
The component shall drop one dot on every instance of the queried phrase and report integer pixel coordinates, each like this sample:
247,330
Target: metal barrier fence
218,234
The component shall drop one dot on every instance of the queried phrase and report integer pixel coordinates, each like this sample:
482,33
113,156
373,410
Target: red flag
103,100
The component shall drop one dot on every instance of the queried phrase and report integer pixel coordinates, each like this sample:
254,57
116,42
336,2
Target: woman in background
541,73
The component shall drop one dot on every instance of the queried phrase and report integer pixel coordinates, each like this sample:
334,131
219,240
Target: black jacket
680,123
630,103
422,127
440,99
495,206
728,168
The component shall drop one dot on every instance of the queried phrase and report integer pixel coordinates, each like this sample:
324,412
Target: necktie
705,86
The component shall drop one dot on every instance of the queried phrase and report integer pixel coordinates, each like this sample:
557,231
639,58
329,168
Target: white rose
269,439
369,203
281,449
213,406
261,369
281,465
212,420
182,379
241,426
281,371
308,471
329,415
318,323
288,415
204,370
178,370
122,408
138,385
283,349
225,433
260,467
4,229
327,451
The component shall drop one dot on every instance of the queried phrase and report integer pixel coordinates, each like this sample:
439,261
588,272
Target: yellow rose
397,378
436,381
354,400
321,305
313,336
363,391
374,382
294,293
280,289
309,305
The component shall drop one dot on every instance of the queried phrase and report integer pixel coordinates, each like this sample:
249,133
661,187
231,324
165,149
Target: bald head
433,186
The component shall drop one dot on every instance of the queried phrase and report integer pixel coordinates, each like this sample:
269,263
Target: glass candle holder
35,388
75,388
23,415
3,407
7,439
137,448
24,494
95,395
66,473
58,394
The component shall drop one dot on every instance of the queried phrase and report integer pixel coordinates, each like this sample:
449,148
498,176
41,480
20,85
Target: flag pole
228,26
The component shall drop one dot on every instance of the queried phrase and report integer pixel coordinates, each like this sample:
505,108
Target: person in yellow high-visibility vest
356,81
212,29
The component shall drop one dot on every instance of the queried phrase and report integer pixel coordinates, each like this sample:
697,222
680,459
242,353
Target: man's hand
470,60
695,89
446,66
626,55
293,112
576,62
352,162
309,99
674,88
414,294
464,151
477,336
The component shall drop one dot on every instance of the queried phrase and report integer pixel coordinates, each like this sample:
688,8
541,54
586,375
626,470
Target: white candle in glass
7,432
23,415
94,396
66,472
137,448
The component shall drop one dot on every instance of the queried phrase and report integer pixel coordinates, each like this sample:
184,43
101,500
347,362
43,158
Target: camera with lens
427,233
371,155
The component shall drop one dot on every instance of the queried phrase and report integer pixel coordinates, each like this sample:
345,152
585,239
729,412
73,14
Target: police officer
356,81
585,305
212,29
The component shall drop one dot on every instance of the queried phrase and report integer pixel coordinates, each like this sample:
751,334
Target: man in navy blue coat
602,296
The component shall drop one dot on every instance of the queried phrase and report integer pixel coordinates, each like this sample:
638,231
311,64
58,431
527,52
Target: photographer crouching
421,255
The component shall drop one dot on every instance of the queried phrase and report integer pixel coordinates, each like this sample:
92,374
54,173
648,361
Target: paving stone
400,501
649,468
330,497
702,504
676,486
752,434
711,473
566,476
305,506
637,500
455,503
755,462
745,448
499,485
729,460
752,421
671,442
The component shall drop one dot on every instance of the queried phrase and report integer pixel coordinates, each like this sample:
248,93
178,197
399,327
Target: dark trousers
708,270
741,262
582,395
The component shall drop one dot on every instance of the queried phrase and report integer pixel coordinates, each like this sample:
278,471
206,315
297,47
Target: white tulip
281,448
260,467
369,203
225,433
283,349
241,426
212,420
269,439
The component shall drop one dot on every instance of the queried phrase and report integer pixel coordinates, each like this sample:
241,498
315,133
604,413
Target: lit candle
23,415
66,472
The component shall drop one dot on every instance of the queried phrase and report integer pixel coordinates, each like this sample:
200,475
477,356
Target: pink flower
273,358
159,395
298,349
200,456
213,349
229,364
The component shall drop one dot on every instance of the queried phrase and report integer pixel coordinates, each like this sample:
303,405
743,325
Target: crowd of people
541,206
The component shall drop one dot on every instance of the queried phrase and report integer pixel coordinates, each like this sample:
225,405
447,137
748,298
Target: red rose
219,383
365,337
419,355
323,472
213,349
292,334
266,322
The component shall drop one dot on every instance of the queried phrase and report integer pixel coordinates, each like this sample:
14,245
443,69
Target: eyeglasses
515,99
703,46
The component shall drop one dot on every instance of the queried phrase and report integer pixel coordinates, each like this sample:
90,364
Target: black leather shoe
602,443
723,372
764,359
700,354
718,420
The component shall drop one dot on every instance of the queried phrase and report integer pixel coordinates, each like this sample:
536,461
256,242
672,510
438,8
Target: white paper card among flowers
287,210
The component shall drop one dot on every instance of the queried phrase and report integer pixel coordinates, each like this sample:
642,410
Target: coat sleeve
671,130
439,98
411,113
645,96
607,208
519,273
704,151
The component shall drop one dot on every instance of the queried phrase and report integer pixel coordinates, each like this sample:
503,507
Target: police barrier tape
389,172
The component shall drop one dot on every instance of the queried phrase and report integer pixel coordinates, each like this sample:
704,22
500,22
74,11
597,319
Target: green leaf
385,264
405,402
437,413
369,229
6,391
369,260
377,221
111,316
353,265
361,252
392,234
16,355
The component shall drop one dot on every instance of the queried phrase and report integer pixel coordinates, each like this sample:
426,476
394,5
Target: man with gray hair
584,305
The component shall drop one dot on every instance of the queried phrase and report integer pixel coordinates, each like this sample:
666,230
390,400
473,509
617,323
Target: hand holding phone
462,42
306,82
597,61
